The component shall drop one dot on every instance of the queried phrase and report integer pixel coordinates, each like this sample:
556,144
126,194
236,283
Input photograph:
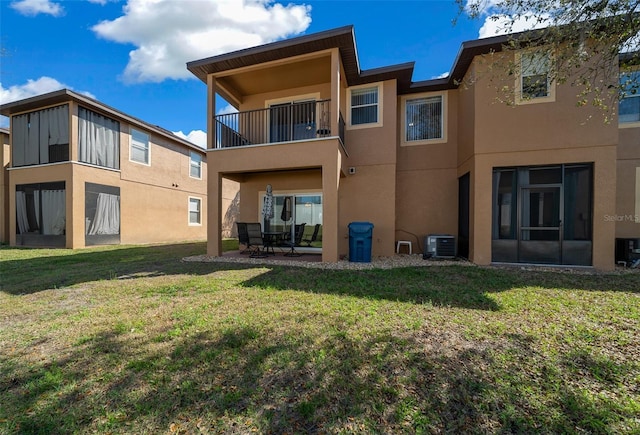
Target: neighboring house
4,185
83,173
528,183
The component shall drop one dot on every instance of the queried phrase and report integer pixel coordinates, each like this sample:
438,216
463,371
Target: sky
132,54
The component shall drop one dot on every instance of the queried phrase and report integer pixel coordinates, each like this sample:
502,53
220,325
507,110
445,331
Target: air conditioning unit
440,246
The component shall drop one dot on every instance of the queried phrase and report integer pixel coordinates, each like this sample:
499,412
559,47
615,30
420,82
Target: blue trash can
360,236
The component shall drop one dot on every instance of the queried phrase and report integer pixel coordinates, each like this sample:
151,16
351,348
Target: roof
64,95
343,38
4,130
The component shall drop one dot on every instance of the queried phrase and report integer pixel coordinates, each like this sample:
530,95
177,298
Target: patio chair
256,243
299,231
314,236
243,236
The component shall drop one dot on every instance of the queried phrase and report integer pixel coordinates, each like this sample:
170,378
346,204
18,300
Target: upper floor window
98,139
424,119
365,103
139,147
534,84
629,106
195,165
41,137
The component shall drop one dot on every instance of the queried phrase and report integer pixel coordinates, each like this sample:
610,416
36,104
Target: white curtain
53,212
99,139
21,212
58,119
107,217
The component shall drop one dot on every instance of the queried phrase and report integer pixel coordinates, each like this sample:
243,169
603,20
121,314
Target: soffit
280,77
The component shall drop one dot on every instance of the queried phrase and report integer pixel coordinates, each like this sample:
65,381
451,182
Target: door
292,121
463,215
540,224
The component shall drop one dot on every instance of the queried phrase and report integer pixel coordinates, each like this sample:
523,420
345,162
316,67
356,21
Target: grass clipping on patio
132,340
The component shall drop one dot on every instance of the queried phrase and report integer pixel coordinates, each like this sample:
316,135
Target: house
532,182
4,185
82,173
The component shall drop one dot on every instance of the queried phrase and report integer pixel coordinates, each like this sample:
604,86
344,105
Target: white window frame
378,123
443,119
629,124
199,200
134,145
551,87
192,164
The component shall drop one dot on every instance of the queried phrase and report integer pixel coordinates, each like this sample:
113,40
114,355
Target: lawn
130,339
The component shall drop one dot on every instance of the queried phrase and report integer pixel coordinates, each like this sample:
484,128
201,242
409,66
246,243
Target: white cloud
168,33
503,24
226,110
32,88
35,7
444,75
197,137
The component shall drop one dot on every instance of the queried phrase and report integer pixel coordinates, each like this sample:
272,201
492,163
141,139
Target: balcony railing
279,123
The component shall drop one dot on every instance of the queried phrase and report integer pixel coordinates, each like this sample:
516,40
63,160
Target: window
424,119
98,139
629,107
194,211
41,137
534,78
365,103
139,147
195,165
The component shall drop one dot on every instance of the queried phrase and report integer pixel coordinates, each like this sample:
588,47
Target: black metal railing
278,123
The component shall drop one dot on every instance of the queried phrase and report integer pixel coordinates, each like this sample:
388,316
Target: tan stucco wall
4,187
427,186
369,195
627,213
536,134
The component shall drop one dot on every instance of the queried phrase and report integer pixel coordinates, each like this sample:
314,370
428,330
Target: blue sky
131,54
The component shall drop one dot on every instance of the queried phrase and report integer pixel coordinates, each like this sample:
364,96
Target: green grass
132,340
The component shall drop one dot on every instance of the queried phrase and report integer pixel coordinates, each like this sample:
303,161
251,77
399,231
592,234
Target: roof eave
64,95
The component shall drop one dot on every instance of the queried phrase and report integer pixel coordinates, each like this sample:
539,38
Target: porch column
214,209
211,111
335,92
330,211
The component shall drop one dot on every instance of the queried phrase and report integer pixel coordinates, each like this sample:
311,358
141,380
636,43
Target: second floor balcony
279,123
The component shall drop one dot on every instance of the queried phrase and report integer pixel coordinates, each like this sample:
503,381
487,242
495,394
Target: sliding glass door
296,209
292,121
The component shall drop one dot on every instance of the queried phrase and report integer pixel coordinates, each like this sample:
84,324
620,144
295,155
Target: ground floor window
194,211
543,214
102,214
297,209
41,214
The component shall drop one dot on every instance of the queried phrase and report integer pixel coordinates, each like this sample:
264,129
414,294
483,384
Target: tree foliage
592,41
